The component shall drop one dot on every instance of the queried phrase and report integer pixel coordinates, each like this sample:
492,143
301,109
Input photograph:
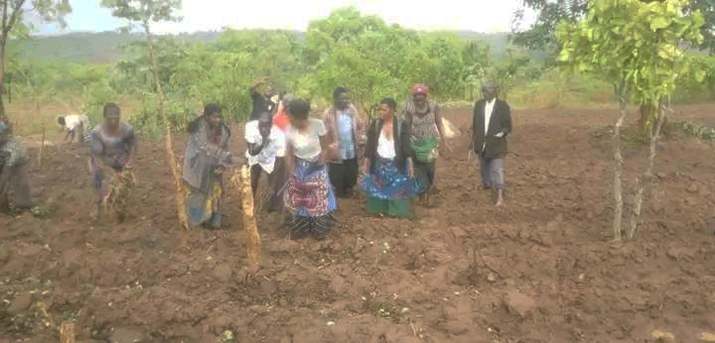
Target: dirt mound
541,269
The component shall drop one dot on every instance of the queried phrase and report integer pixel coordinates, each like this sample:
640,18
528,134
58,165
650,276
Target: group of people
309,162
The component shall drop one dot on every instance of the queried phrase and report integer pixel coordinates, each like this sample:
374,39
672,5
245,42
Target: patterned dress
308,196
203,161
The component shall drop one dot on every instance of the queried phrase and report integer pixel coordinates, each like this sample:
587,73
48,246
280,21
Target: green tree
637,47
147,12
12,13
542,34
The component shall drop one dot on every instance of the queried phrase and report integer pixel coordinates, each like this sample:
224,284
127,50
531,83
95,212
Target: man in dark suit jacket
490,127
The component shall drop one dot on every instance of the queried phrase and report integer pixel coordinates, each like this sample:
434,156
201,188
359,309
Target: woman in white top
308,196
390,181
266,149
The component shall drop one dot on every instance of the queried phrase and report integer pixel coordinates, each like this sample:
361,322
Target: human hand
499,135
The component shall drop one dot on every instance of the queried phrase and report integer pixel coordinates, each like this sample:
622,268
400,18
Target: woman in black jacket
389,183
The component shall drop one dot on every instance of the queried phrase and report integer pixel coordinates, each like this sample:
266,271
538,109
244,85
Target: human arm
406,140
440,127
132,141
289,159
257,84
371,144
505,121
360,131
254,140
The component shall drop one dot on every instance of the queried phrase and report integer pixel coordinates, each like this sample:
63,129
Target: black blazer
496,147
401,138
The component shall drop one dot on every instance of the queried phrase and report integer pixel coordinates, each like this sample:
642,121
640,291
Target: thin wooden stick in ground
253,240
67,333
42,146
180,204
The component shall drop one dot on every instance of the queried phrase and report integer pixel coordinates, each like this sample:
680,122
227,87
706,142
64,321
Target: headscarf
420,89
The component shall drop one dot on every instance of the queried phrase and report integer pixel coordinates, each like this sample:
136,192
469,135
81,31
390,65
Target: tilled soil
542,269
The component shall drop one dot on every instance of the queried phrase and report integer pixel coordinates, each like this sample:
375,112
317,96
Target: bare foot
500,198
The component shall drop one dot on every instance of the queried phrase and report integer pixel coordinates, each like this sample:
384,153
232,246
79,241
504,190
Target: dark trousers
492,170
343,176
276,181
426,173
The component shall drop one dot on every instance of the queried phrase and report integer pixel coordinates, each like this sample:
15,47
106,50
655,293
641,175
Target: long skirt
389,190
309,200
204,207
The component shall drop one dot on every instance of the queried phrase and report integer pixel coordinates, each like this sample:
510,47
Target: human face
299,124
215,119
489,91
342,101
265,124
419,99
111,119
386,112
269,91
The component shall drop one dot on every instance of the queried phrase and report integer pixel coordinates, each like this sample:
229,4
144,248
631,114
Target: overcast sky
205,15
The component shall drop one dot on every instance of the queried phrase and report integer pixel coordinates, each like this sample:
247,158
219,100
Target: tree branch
4,16
13,18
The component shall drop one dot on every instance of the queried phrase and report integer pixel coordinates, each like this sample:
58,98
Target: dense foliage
371,58
542,33
635,45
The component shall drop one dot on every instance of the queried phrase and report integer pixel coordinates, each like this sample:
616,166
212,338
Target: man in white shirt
74,123
265,153
490,127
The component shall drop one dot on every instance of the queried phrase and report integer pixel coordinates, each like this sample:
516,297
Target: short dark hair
61,120
299,109
338,91
211,108
111,107
390,102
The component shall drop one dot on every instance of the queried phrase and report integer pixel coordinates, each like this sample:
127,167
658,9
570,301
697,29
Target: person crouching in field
389,182
74,124
424,121
205,160
308,195
113,144
14,169
265,153
346,131
490,126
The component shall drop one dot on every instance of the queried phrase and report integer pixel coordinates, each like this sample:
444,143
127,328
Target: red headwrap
420,89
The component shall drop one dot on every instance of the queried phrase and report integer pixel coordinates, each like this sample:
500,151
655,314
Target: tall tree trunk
180,201
643,181
3,43
618,163
649,117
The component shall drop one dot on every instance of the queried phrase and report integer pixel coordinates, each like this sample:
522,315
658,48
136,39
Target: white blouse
385,147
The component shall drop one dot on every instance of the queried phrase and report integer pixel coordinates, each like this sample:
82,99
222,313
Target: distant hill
105,47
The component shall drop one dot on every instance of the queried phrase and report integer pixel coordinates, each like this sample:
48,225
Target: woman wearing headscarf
205,160
424,121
